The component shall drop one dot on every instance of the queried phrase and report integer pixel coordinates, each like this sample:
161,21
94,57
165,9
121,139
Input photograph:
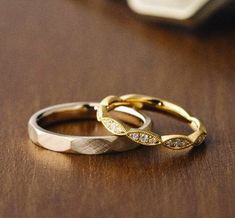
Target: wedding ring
82,144
147,137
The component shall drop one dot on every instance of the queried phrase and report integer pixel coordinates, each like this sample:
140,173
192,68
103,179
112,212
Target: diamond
152,140
135,136
113,126
177,143
200,139
107,123
144,138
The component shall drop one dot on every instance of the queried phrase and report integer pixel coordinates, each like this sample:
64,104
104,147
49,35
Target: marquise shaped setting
144,138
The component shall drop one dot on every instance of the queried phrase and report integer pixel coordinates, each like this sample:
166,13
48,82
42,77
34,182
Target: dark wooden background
56,51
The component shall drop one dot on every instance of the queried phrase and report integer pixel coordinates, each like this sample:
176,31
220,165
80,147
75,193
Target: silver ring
81,144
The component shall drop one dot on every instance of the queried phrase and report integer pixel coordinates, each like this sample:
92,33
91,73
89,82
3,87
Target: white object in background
173,9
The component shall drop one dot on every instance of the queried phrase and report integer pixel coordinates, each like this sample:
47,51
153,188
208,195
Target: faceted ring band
147,137
81,144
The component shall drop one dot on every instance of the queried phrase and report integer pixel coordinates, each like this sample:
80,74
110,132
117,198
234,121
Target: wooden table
65,50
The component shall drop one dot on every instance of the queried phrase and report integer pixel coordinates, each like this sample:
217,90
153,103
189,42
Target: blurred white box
178,10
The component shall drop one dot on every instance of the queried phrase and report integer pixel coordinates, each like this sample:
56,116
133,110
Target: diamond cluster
177,143
200,139
113,126
143,138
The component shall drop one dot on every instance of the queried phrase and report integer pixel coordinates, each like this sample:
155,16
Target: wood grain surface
61,51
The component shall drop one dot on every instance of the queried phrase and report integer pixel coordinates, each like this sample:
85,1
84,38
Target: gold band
147,137
81,144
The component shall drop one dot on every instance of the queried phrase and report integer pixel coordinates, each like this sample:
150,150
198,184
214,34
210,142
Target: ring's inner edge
87,112
160,108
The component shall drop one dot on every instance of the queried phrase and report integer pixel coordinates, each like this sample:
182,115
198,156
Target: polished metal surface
147,137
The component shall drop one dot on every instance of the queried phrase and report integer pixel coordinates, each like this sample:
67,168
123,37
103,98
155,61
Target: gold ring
147,137
81,144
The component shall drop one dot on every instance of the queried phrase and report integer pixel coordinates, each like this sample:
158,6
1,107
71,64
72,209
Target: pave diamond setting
200,139
177,143
144,138
114,126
